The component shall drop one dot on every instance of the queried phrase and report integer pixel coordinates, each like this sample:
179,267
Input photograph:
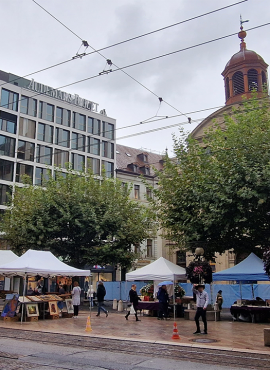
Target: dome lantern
245,72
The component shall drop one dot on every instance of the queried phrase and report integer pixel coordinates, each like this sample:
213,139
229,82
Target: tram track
193,354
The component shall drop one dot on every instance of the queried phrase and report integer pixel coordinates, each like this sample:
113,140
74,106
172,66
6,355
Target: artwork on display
45,298
69,305
34,298
24,299
53,308
10,306
54,297
32,310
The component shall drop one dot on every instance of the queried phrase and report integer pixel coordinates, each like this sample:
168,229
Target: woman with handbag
134,300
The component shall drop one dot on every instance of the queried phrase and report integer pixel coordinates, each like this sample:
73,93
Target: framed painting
32,310
10,306
53,308
69,305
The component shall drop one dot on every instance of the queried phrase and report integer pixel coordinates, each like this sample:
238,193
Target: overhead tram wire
145,61
113,45
122,42
79,148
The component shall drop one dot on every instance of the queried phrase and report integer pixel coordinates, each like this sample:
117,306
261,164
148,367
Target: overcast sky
190,80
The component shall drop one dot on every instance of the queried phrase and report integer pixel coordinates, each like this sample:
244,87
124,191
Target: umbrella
165,283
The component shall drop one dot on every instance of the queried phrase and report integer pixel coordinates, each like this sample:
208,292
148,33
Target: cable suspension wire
128,40
145,61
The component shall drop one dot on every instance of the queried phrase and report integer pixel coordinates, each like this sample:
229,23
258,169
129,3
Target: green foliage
79,218
217,195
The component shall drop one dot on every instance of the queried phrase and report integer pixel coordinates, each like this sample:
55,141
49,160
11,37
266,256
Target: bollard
120,306
114,307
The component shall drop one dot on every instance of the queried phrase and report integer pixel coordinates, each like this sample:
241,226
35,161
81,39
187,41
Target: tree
217,195
79,218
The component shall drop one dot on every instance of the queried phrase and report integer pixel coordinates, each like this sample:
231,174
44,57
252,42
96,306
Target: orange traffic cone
175,332
88,324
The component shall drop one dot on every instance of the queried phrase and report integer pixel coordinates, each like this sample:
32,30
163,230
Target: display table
253,313
148,305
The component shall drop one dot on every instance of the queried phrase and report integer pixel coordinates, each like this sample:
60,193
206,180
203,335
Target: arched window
264,80
238,83
227,88
252,79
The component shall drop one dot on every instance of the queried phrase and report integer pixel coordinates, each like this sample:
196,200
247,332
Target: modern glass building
42,127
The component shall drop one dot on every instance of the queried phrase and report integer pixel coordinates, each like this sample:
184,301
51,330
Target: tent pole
174,299
90,303
24,289
241,290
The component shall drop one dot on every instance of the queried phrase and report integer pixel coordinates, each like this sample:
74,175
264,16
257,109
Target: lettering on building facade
61,95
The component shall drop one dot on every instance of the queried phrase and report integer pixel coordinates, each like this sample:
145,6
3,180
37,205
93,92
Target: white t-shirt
76,296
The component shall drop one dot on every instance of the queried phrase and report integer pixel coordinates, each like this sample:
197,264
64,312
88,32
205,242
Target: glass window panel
26,150
109,168
107,149
41,176
27,128
8,126
5,192
74,141
7,146
44,154
45,133
6,170
108,130
81,142
4,98
24,104
61,157
93,146
59,115
50,113
94,165
23,170
78,162
9,99
62,137
40,112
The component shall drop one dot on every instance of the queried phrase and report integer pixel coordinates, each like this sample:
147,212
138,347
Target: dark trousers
136,313
201,313
163,310
76,310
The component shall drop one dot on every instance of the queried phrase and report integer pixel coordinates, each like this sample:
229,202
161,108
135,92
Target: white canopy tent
160,270
7,256
41,263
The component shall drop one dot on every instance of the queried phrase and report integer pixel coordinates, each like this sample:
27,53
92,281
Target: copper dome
244,56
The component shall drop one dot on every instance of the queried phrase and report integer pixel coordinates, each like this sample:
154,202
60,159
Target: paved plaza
226,334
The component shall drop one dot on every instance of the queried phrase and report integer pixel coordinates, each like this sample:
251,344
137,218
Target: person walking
219,300
76,298
101,292
163,298
134,300
90,295
202,300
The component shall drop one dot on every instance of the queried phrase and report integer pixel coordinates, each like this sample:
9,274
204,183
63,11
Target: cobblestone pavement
232,359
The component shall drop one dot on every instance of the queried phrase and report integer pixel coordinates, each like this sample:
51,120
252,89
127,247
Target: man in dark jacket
134,299
163,298
101,292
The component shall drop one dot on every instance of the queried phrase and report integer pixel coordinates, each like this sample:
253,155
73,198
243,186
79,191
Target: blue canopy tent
250,269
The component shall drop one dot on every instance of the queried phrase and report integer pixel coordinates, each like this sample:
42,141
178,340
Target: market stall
6,256
249,271
158,271
43,264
